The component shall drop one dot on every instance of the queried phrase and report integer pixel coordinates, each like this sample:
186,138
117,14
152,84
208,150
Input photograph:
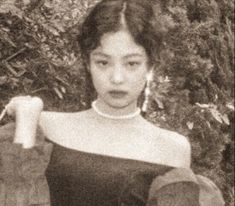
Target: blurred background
193,86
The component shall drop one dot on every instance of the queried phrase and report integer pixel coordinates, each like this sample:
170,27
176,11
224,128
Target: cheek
140,77
138,83
99,81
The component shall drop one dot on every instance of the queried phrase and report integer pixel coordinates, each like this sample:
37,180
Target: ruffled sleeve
210,195
161,186
171,187
181,187
22,171
178,187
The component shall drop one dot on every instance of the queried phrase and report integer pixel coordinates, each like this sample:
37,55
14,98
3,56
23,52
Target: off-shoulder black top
77,178
83,179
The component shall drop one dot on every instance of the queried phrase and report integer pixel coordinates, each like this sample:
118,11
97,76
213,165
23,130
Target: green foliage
192,91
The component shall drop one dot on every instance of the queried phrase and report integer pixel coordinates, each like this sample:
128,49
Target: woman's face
118,68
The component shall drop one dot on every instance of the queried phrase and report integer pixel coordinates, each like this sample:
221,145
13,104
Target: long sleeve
210,195
22,171
161,187
181,187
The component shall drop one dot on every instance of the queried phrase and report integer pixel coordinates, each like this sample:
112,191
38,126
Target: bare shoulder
174,146
179,147
57,118
178,140
171,137
58,124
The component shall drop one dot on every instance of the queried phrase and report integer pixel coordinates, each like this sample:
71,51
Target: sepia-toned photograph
117,102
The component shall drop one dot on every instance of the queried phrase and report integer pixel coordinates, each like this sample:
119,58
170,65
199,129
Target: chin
119,103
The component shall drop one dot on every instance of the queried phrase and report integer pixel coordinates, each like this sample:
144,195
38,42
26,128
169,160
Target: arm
181,187
27,111
175,188
184,156
22,179
24,156
179,149
176,148
210,195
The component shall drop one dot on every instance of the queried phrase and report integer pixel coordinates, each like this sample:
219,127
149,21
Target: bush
192,91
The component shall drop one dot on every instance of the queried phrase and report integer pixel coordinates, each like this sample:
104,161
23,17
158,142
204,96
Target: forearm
26,111
22,175
25,131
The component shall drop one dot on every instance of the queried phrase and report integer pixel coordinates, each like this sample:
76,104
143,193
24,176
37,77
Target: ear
149,75
87,65
88,68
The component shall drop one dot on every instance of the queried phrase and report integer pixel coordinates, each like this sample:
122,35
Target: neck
116,113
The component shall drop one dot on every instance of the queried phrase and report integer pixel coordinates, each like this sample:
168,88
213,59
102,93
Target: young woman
109,154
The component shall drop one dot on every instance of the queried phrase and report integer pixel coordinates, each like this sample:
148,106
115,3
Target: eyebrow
125,57
100,54
133,55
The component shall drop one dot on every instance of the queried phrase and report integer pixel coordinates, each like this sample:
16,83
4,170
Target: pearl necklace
108,116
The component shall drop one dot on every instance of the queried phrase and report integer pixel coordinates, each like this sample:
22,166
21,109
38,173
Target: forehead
119,44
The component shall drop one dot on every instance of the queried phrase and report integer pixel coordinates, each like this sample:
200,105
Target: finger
10,108
3,113
37,101
28,97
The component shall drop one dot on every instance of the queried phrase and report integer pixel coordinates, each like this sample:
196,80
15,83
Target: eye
133,64
102,63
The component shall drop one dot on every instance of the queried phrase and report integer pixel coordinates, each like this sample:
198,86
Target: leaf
208,123
225,119
159,103
190,125
230,106
158,99
5,37
203,105
26,2
58,26
3,80
63,90
59,94
162,79
217,116
8,6
51,29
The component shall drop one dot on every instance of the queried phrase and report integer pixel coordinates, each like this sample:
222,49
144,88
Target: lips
117,93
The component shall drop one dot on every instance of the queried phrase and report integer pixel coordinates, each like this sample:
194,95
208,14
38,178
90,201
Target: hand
26,110
23,105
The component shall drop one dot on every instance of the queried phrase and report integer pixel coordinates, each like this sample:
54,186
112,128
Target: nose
117,75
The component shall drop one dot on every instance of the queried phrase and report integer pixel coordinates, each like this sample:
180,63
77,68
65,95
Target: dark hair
112,15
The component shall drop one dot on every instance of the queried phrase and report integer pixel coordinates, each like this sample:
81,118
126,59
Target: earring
147,91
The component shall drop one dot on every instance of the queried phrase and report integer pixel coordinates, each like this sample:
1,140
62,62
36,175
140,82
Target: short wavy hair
137,16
